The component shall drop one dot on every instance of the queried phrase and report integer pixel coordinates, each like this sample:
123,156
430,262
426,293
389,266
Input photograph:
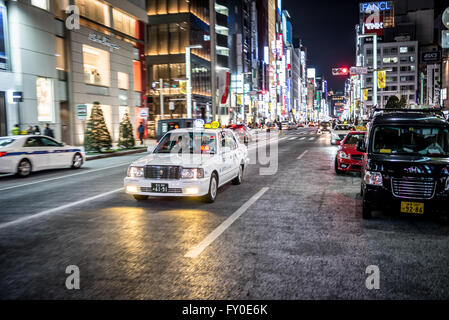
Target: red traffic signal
340,71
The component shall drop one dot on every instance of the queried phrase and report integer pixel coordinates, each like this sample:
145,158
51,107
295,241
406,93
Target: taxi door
57,155
37,153
225,167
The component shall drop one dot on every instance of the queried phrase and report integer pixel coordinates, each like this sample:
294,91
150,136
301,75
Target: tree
402,103
96,135
126,136
392,103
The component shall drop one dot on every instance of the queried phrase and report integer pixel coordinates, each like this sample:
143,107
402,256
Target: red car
348,158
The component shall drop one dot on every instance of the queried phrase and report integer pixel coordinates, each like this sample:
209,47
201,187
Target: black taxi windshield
344,127
187,142
411,140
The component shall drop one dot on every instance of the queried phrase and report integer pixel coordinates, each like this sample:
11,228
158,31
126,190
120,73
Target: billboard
3,57
376,16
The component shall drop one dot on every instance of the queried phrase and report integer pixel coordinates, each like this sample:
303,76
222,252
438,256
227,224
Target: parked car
242,132
23,155
339,132
406,163
348,158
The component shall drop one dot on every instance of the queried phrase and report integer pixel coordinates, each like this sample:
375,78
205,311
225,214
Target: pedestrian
30,130
48,131
141,131
15,130
37,130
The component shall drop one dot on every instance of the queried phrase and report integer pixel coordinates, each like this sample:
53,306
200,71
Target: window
403,49
95,11
44,94
43,4
125,23
49,142
32,142
60,54
123,80
390,60
96,66
137,76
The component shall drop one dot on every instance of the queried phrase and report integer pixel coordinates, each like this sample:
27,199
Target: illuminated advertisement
44,93
376,16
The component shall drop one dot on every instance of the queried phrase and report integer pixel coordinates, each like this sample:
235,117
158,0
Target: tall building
173,25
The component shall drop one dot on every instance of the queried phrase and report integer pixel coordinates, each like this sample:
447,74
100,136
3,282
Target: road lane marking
49,211
302,155
302,138
196,251
311,138
293,138
65,176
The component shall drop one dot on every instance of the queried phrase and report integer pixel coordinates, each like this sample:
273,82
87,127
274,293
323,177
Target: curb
115,154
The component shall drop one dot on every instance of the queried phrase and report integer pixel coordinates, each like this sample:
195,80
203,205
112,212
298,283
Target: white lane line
293,138
47,212
302,138
65,176
196,251
311,138
302,155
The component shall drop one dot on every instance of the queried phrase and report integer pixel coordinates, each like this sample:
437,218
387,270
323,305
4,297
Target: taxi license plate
412,207
159,187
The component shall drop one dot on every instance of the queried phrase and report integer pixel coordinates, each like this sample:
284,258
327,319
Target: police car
24,154
189,162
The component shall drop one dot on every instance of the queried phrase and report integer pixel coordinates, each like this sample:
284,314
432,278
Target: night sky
327,30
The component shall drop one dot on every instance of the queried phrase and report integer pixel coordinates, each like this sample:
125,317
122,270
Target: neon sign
369,7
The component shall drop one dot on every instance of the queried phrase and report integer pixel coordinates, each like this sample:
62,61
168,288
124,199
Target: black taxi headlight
373,178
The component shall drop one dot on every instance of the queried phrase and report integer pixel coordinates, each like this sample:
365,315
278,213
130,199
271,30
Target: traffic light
340,71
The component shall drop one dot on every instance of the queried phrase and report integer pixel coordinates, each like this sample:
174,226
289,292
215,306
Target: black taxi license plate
412,207
159,187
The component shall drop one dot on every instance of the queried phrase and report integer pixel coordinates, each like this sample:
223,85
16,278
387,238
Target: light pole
374,63
243,95
188,78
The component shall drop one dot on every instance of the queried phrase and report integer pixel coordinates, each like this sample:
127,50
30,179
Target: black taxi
405,166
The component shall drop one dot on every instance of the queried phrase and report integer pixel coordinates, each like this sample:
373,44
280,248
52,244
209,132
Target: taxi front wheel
24,168
213,187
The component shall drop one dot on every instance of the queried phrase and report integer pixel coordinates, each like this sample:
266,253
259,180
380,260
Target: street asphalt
301,236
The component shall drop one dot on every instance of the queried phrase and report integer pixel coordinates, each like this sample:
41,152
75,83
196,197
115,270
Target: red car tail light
2,154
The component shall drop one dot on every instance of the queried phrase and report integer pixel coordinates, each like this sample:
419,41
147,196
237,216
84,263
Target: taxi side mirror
361,147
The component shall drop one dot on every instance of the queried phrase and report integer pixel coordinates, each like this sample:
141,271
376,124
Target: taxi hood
173,159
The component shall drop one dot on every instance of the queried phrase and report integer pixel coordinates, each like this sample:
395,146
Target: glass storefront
96,66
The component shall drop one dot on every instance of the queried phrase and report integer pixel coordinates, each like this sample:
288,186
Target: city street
297,234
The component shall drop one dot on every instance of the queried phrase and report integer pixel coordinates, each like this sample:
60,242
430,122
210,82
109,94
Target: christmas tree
126,136
96,135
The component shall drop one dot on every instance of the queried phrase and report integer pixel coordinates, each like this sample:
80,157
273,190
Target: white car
188,162
340,131
28,153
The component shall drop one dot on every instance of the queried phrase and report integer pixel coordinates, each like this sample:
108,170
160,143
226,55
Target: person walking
48,131
15,130
141,131
30,130
37,130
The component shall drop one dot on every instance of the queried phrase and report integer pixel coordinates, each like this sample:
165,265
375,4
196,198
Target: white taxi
24,154
188,162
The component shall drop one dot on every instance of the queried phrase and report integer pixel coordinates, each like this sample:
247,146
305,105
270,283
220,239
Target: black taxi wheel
366,211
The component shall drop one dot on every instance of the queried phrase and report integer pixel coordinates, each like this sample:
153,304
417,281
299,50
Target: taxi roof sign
212,125
198,124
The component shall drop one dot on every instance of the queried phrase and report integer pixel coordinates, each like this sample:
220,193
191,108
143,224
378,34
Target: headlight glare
135,172
373,178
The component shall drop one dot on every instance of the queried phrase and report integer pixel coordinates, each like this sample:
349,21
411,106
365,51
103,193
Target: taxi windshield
411,140
5,141
354,138
187,142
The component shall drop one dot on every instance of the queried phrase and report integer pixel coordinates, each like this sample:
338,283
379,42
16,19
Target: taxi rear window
6,141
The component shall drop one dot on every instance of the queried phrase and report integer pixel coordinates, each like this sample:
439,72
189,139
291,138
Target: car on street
286,125
348,158
188,163
311,124
325,126
406,163
25,154
242,132
339,132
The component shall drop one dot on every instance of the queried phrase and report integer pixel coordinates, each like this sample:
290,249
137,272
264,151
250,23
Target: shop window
137,76
43,4
60,54
95,11
44,94
123,80
96,66
125,23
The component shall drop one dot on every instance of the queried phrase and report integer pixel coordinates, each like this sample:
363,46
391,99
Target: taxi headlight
192,173
373,178
343,155
135,172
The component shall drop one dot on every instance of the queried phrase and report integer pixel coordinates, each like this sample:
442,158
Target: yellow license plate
412,207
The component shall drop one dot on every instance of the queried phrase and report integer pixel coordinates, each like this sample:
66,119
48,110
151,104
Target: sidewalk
141,148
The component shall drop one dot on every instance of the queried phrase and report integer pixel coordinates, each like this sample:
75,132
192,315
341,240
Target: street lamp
188,78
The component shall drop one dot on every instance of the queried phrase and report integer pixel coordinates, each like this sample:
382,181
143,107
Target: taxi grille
162,172
413,188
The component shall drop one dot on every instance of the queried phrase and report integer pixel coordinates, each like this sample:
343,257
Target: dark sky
327,30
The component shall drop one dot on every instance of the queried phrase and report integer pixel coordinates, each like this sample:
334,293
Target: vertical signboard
3,37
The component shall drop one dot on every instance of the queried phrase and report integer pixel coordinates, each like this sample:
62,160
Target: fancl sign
369,7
